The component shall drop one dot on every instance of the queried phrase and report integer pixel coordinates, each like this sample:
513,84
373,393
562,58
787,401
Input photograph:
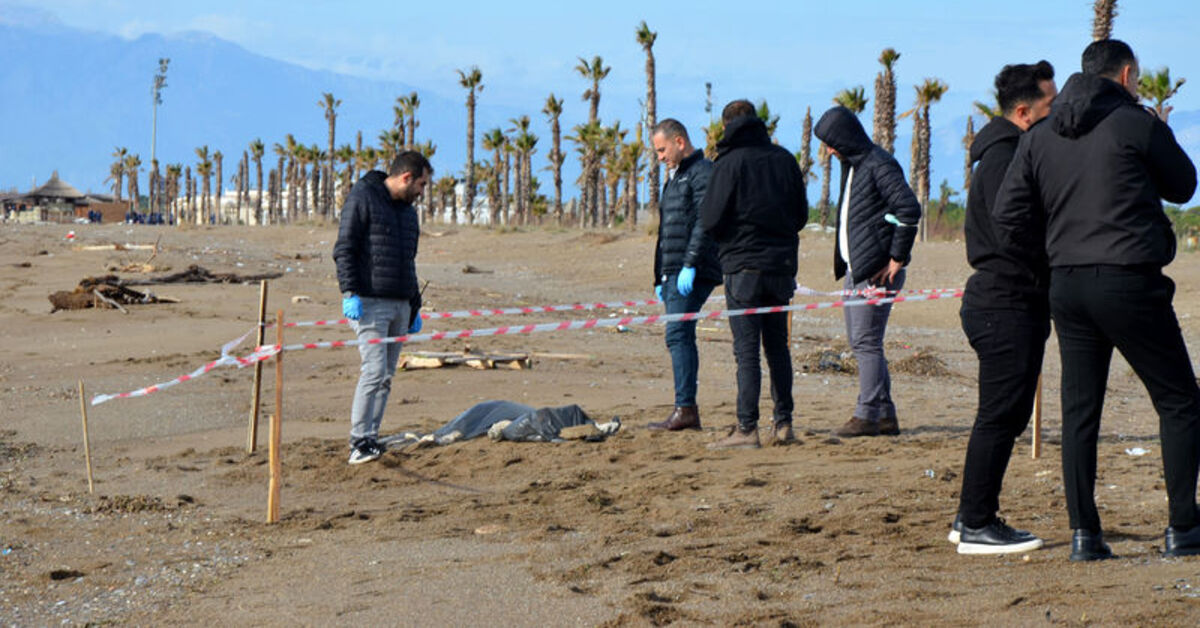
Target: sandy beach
641,529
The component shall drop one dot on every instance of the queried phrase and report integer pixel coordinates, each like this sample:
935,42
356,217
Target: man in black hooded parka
877,223
1093,175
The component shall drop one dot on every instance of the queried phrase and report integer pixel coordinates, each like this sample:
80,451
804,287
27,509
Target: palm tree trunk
827,175
651,120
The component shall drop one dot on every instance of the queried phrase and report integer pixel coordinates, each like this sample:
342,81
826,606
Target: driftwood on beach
102,292
199,274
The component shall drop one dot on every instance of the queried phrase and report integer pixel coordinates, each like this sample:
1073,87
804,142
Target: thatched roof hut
54,191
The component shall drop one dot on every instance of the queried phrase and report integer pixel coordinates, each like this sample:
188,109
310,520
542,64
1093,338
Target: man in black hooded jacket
754,209
1093,176
877,223
1006,317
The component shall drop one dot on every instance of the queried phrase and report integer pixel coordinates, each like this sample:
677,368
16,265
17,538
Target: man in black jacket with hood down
376,253
685,262
1093,176
1005,315
877,223
755,208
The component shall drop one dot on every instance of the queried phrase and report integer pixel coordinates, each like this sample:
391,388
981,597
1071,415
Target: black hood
741,132
1084,101
840,129
374,177
998,130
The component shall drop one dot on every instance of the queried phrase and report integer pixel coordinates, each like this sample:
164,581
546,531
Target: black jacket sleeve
800,202
1018,208
698,239
658,253
348,250
717,199
1173,172
901,203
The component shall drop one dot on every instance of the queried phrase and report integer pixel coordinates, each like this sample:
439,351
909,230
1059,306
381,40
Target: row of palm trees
310,181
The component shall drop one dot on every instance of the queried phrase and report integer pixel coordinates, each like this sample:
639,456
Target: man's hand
888,273
417,324
352,307
683,283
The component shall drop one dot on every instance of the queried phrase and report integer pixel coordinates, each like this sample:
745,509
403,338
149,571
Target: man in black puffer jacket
685,262
1006,317
375,253
754,209
877,223
1092,177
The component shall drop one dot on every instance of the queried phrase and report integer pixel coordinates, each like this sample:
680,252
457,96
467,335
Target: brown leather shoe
782,434
683,418
737,440
889,426
857,427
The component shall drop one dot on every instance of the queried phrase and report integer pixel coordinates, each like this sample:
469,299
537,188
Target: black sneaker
365,450
1087,545
1179,542
996,537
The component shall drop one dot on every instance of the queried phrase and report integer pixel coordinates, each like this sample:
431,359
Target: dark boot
683,418
1182,542
1087,545
857,427
889,426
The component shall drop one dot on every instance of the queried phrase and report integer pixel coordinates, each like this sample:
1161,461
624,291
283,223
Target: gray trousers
381,318
865,328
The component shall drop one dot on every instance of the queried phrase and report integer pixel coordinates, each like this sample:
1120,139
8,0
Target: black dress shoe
996,537
1182,542
1088,545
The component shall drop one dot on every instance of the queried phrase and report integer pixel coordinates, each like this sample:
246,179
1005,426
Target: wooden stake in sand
1037,420
256,396
87,448
276,424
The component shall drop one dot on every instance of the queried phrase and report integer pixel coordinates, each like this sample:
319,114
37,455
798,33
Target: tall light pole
160,81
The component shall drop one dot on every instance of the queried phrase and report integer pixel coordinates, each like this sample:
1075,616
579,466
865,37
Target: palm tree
329,104
885,101
927,93
282,152
804,157
771,121
1157,88
133,165
507,194
472,81
553,109
204,171
494,141
524,144
988,111
426,148
633,166
713,133
256,153
346,155
391,142
410,104
219,160
646,38
854,99
1102,21
968,139
826,158
588,139
614,143
173,172
595,71
116,172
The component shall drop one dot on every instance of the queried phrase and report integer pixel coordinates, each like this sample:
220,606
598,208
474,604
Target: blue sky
793,54
778,50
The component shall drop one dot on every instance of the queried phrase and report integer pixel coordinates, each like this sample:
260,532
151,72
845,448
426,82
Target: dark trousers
681,337
753,289
1096,308
1010,345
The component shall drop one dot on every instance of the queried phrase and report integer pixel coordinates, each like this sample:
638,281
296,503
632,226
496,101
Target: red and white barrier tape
266,352
543,309
224,360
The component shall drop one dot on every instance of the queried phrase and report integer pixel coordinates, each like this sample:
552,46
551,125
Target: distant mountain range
70,96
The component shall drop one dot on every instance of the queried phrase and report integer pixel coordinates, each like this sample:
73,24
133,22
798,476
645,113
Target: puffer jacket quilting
376,248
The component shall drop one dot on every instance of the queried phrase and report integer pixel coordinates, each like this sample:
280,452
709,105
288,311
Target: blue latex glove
684,282
352,307
416,326
658,291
